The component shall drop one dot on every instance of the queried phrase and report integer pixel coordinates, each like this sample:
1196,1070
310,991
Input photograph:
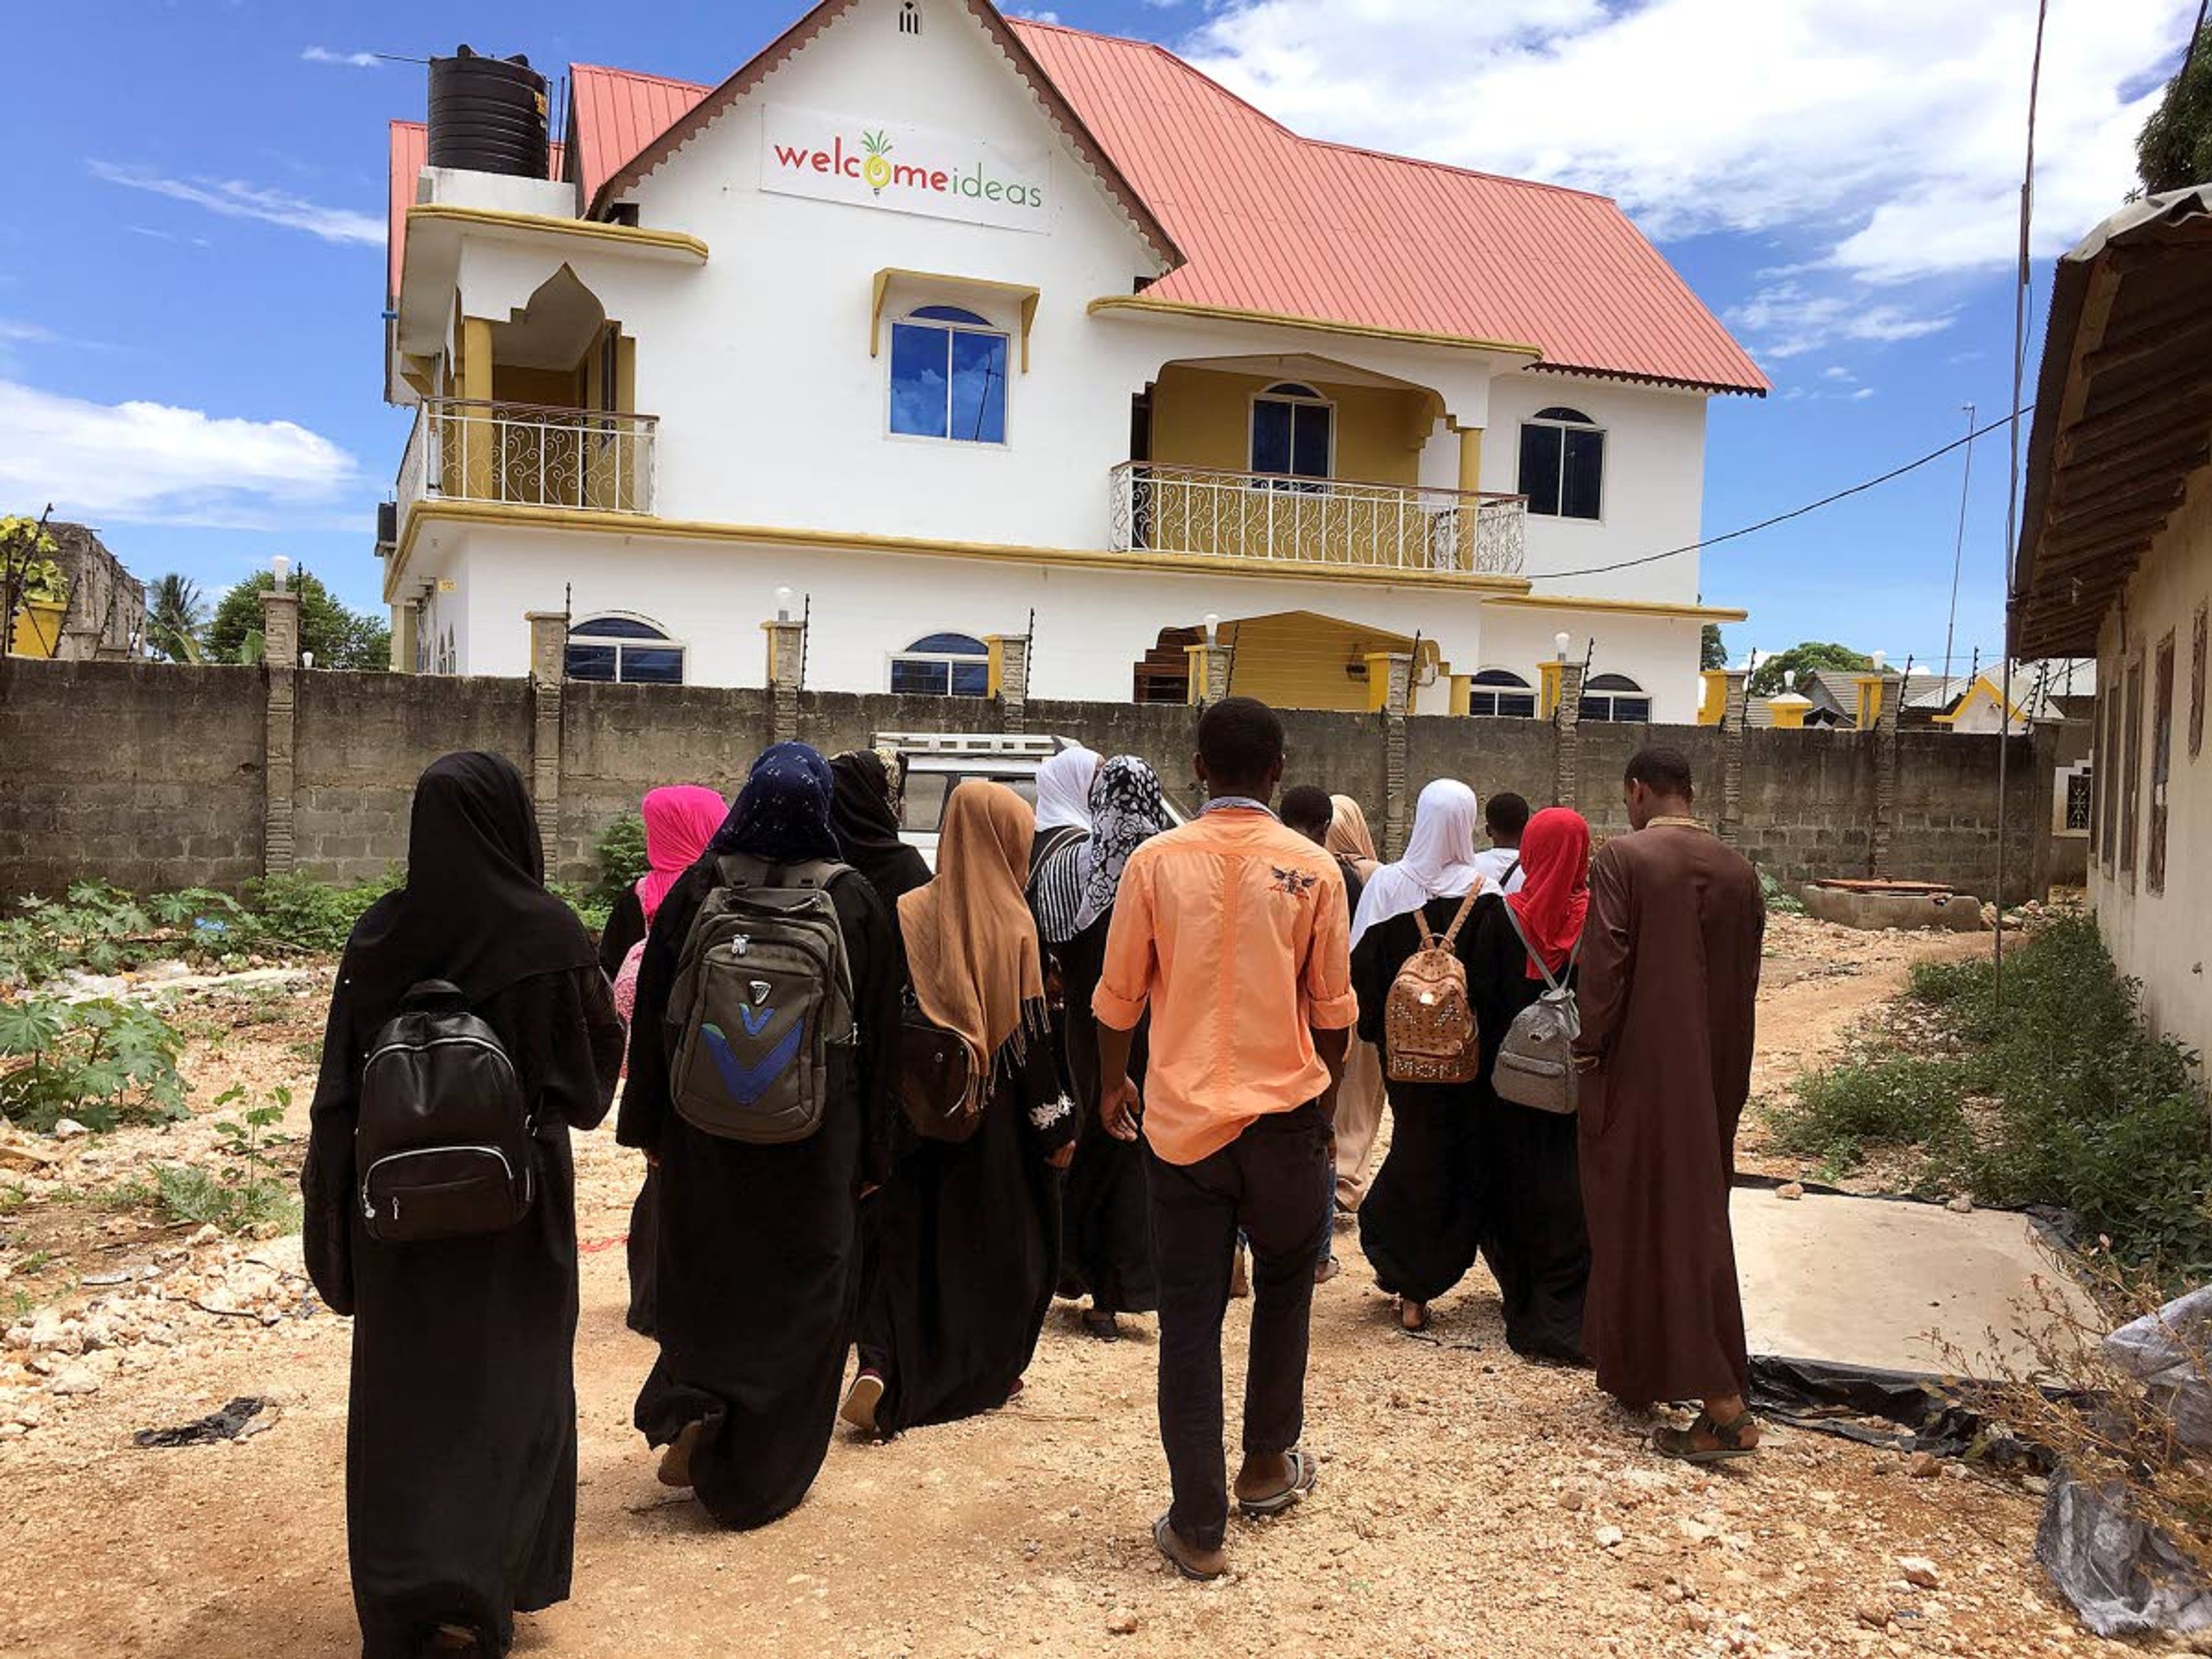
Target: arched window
949,377
1500,691
1615,697
944,665
1293,432
626,649
1562,464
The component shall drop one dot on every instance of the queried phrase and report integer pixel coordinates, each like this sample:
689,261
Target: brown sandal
1681,1444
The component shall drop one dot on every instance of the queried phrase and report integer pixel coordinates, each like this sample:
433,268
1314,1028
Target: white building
939,321
2115,558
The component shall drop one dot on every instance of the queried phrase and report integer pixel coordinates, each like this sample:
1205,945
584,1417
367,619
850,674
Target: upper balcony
1295,522
528,455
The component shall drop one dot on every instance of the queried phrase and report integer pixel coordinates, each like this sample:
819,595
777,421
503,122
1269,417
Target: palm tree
175,614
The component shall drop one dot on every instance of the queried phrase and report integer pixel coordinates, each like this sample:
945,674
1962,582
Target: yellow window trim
1533,601
1026,297
1082,558
534,225
1314,325
1982,690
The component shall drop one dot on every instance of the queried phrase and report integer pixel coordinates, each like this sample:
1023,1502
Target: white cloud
1886,135
1787,319
239,200
17,333
156,463
350,59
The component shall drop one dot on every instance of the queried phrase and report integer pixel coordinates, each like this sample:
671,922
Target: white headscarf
1063,790
1439,862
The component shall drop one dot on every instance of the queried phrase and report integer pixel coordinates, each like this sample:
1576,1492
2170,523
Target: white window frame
1475,688
667,641
1004,336
1604,465
892,660
2087,770
1612,695
1271,395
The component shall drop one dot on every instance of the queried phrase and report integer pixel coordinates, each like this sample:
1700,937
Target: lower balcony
1293,522
528,455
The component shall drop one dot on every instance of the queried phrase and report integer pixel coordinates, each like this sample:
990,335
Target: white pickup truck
938,762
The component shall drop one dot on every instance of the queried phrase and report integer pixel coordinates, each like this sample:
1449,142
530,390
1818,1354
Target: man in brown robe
1669,988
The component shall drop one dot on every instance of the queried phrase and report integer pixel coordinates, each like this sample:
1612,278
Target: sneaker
676,1461
862,1401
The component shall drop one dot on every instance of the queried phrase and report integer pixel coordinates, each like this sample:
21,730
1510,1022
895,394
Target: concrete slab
1863,1281
1872,910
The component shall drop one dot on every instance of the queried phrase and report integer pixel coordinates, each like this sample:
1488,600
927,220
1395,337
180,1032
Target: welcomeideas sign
903,169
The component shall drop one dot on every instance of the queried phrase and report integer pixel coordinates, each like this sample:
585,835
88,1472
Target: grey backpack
763,997
1536,1061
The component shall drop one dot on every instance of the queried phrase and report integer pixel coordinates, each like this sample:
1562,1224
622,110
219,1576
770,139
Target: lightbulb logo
877,170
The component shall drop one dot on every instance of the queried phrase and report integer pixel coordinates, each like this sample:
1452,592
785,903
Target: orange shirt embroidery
1232,931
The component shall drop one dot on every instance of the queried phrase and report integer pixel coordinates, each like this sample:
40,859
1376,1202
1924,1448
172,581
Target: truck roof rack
994,744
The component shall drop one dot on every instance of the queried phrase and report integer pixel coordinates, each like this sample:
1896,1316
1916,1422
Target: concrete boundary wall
155,775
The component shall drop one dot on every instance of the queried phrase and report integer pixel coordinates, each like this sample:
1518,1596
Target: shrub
99,1062
1896,1101
1780,900
298,913
621,851
102,930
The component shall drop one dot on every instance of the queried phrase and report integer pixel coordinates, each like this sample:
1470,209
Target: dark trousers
1268,1182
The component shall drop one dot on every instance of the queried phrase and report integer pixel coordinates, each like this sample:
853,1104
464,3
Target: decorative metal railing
1272,518
528,455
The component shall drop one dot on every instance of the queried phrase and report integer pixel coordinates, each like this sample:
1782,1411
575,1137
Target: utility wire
1959,552
1783,518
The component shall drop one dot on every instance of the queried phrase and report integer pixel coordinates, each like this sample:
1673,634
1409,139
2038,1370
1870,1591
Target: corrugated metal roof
1275,223
617,114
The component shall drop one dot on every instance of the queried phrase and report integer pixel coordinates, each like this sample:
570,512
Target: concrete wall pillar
1010,678
1209,671
1888,699
548,672
1566,777
1734,706
787,667
1390,692
280,659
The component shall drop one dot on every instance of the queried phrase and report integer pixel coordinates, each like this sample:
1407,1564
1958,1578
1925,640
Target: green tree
2174,149
339,638
176,616
1766,678
1712,650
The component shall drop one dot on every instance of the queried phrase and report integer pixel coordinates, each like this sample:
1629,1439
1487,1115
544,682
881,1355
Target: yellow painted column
1870,695
1790,711
1714,703
478,437
1548,676
1462,692
1470,457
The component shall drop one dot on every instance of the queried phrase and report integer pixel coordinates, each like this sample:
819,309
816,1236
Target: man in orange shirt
1233,931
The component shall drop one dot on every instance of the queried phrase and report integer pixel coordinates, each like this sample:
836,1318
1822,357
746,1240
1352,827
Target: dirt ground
1468,1503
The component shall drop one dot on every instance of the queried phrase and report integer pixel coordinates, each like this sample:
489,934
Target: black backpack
937,1081
443,1141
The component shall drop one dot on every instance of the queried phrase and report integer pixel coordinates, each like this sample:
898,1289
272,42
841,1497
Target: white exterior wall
1660,653
1653,484
2161,939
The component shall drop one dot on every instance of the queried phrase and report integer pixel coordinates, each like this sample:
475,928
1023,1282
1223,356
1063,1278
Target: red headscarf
1555,896
679,822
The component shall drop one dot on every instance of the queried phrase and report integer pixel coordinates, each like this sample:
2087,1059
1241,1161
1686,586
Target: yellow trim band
1313,325
1026,296
1533,601
539,224
1081,558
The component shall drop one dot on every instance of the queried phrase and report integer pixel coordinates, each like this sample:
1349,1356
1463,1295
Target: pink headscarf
679,822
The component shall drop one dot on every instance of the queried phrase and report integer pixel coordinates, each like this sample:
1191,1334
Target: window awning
937,282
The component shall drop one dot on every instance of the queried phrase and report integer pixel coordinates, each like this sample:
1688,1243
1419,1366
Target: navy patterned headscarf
782,814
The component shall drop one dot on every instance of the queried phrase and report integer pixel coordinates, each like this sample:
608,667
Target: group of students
1178,1046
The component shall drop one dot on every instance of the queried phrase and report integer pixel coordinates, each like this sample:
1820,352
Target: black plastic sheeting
1895,1411
228,1423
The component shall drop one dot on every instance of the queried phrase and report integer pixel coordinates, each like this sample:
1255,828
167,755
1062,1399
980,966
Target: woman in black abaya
461,1431
865,813
1106,1222
967,1234
758,1247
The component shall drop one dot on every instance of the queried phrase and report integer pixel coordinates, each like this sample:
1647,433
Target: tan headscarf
971,943
1350,838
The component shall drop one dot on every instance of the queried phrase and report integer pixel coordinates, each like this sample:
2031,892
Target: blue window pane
979,387
971,679
1271,436
925,679
1540,469
952,314
1522,707
591,662
918,380
648,666
616,628
949,645
1581,482
1309,440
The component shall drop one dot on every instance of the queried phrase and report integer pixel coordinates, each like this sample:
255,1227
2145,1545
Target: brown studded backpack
1428,1033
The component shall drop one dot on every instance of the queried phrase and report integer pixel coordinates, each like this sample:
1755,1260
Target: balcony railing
1294,522
528,455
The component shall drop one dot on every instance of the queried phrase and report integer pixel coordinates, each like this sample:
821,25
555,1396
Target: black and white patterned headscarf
1077,883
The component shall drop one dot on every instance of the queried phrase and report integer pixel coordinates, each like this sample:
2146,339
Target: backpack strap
743,870
1467,904
1536,958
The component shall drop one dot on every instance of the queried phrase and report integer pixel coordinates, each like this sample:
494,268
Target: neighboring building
107,615
2115,558
939,321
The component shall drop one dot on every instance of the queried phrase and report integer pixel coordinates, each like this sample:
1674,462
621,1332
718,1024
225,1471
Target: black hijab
475,910
866,822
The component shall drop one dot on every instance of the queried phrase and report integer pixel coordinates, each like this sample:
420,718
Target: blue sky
191,281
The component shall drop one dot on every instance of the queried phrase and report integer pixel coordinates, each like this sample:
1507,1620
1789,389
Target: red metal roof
410,154
1271,223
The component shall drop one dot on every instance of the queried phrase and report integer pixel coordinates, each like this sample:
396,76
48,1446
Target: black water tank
488,115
